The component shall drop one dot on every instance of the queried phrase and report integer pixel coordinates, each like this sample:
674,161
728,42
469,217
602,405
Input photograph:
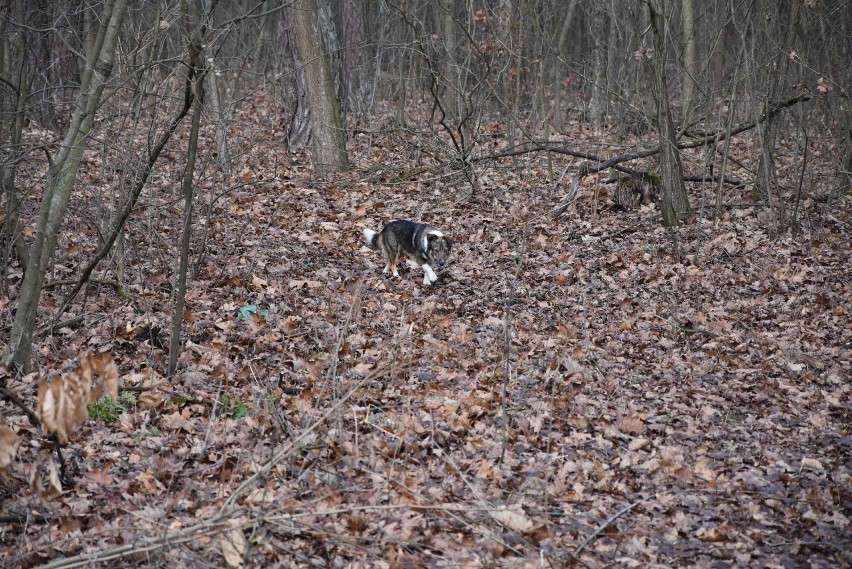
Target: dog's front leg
429,276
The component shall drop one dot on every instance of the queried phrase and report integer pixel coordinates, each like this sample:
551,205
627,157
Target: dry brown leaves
63,400
8,447
558,372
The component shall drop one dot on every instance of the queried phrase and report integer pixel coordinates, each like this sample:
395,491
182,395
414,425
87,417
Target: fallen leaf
514,518
233,544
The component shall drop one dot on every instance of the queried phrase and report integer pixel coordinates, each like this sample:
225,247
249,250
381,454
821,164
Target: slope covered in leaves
594,390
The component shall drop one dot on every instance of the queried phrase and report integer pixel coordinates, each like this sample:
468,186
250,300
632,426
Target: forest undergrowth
593,390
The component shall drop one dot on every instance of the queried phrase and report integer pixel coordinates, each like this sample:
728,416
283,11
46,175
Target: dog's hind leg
391,266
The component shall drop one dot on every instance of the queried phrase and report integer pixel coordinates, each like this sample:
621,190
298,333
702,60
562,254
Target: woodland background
638,356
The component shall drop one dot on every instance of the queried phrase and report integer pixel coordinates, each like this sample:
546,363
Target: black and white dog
419,242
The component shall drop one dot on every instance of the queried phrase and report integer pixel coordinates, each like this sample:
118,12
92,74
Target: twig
10,395
603,526
25,519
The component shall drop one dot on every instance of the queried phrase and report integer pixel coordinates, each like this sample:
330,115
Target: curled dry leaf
630,424
807,463
639,444
8,447
63,400
233,544
514,518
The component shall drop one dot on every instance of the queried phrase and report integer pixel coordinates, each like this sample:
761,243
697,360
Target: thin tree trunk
61,182
450,66
221,123
355,70
675,202
561,67
188,187
690,61
768,132
597,105
11,231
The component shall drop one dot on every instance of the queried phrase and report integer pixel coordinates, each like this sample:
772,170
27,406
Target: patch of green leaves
236,408
142,435
105,409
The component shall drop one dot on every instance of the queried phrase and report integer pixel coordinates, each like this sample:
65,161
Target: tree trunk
187,185
599,28
327,138
219,119
449,64
776,76
674,199
12,239
847,158
61,179
690,61
356,69
561,67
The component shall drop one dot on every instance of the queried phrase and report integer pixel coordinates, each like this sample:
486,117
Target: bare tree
195,76
327,138
690,60
675,201
355,51
61,182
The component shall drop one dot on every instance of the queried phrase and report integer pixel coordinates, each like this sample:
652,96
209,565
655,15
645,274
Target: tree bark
690,61
61,182
327,139
673,197
776,76
355,67
449,64
599,30
561,66
11,238
188,187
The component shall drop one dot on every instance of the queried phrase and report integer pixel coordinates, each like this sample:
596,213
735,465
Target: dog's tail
372,238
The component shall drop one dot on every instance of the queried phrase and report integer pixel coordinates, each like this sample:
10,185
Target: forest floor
593,390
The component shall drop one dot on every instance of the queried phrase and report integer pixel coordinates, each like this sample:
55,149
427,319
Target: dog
419,242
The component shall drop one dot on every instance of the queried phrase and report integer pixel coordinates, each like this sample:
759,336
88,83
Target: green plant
105,409
236,408
141,435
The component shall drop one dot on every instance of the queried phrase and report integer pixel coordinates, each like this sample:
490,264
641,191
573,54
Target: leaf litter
570,392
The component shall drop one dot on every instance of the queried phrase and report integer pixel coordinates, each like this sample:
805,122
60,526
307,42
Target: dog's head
438,248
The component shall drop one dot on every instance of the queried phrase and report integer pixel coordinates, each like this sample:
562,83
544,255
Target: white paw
430,275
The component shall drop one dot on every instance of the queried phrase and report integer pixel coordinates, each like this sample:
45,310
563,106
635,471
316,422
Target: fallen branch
545,146
615,162
24,519
116,286
722,134
11,397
